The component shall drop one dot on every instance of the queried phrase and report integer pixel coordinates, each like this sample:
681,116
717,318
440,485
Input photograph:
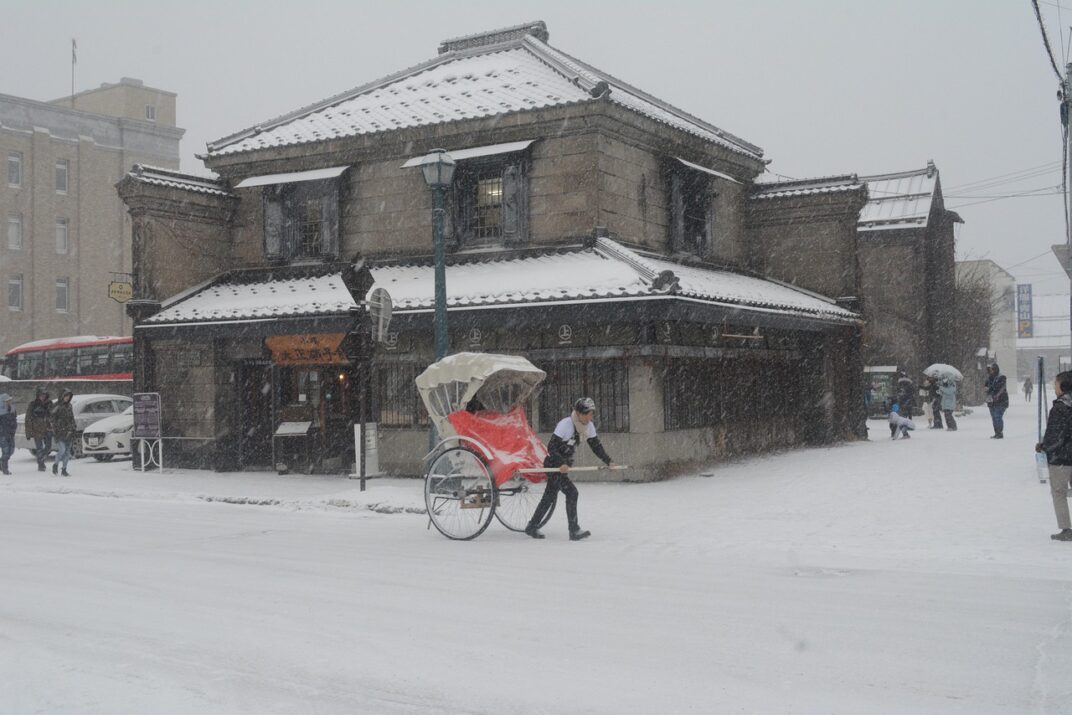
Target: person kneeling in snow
899,424
560,450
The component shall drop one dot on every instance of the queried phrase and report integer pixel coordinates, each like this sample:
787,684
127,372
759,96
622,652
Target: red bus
86,357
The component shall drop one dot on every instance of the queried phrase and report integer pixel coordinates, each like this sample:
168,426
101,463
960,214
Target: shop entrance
321,395
255,413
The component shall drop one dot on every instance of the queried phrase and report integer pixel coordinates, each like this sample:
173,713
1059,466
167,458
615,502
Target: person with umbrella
948,391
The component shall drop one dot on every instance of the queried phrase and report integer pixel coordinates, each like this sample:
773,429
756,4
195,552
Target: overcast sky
825,87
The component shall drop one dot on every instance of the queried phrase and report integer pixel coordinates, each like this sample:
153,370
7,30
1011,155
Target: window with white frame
14,169
150,112
63,294
61,176
301,220
14,232
63,236
14,292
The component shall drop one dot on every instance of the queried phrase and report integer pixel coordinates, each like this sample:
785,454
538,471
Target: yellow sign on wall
120,291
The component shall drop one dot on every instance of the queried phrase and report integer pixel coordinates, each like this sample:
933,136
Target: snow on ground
884,577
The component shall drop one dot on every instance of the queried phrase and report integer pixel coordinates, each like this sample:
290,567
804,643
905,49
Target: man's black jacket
1057,442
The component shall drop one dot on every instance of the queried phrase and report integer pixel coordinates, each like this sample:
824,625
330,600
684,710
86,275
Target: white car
87,410
108,437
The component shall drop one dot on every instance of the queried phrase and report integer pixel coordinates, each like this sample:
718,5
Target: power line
1046,40
1008,177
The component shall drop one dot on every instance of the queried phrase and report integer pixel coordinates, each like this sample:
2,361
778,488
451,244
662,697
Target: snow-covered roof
901,200
243,299
485,75
177,180
606,272
769,186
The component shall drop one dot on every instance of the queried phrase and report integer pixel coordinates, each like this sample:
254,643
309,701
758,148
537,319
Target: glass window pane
14,232
61,176
14,292
62,295
62,237
14,169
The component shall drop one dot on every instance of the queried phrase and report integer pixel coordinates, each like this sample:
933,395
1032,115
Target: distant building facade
65,232
1051,340
618,242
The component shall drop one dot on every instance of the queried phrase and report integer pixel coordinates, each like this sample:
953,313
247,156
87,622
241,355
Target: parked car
106,438
87,410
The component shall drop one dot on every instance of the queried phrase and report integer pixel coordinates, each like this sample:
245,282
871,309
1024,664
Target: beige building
65,232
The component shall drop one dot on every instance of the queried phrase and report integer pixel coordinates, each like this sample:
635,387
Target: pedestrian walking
1057,444
997,399
38,426
1028,388
65,432
9,423
899,424
561,449
948,392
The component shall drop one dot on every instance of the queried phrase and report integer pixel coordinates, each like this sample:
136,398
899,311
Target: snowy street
911,576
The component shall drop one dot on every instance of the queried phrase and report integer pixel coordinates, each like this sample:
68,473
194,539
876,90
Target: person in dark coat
1028,389
935,397
560,452
1057,444
65,431
38,426
906,395
997,399
9,423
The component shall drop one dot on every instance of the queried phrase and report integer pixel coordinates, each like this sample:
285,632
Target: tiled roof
780,188
237,299
176,180
518,74
901,200
607,272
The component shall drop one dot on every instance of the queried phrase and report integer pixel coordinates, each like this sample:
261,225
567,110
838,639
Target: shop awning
477,151
292,177
607,272
244,298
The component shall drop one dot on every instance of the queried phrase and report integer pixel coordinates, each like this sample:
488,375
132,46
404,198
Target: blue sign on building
1025,323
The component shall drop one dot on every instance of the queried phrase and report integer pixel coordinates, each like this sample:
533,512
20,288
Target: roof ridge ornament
537,29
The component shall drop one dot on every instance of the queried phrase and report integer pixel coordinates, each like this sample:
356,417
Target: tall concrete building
65,232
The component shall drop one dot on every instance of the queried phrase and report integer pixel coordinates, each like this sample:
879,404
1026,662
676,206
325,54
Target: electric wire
1046,40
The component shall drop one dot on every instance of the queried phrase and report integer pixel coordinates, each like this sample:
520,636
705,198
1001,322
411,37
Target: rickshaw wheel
460,494
518,498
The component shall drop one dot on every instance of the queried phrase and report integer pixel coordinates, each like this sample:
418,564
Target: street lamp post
438,170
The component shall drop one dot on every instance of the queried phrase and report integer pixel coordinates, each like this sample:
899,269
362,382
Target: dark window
61,176
691,212
123,358
60,363
396,399
605,381
93,360
302,220
14,169
692,394
491,202
29,365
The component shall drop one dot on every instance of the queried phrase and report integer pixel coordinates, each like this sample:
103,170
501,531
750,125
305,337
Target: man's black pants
557,482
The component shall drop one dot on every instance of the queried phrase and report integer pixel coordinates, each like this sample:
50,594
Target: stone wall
809,241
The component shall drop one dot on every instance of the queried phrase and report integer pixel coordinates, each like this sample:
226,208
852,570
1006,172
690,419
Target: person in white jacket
899,425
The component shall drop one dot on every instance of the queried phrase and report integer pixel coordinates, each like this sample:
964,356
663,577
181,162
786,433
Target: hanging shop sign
120,291
315,349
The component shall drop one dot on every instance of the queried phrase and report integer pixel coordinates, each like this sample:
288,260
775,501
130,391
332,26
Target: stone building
906,258
618,242
65,232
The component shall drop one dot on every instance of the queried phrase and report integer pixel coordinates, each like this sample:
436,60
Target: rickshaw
488,461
